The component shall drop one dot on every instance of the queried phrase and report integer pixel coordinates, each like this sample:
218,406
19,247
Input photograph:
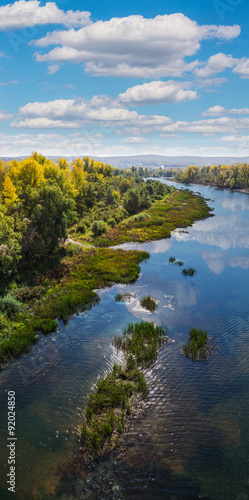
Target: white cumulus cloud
157,92
220,111
133,46
24,14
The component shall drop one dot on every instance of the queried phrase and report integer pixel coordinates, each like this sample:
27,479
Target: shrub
81,228
47,325
111,222
10,305
98,227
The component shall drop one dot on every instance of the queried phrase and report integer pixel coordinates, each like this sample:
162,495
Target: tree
9,193
10,249
51,217
131,201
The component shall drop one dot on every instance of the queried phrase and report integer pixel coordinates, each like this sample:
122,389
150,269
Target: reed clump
149,303
198,345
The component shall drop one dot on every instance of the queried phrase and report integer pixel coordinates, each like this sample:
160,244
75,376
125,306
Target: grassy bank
60,292
177,209
113,400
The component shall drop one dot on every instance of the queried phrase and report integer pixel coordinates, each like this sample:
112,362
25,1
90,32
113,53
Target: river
193,441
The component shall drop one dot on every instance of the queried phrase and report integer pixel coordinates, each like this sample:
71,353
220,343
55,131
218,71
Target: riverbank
176,209
61,292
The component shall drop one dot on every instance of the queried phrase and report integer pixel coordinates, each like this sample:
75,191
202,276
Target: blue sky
124,78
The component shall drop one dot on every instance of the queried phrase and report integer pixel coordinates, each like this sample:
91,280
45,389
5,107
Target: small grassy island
198,346
149,303
190,271
113,401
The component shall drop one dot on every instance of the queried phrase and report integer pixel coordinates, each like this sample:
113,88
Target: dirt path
69,240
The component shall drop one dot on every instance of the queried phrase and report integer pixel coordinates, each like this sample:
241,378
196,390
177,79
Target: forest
221,176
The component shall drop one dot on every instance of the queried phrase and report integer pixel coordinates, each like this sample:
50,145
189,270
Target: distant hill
156,161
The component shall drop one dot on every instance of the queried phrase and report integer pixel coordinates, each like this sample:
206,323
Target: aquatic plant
189,272
198,345
175,261
149,303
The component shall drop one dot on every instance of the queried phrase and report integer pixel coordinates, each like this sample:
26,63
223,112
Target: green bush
99,227
111,222
47,325
81,228
10,305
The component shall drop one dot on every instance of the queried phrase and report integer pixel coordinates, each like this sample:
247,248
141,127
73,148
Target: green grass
61,292
174,210
198,345
190,271
142,341
111,403
149,303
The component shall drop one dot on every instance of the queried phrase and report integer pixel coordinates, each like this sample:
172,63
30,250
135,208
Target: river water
193,441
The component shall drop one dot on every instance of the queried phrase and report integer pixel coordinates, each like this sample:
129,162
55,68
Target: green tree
51,217
132,201
10,249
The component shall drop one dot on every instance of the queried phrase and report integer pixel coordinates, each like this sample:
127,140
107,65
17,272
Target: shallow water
194,439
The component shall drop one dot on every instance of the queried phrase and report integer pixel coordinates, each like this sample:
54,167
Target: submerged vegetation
113,400
176,262
125,297
149,303
190,271
198,345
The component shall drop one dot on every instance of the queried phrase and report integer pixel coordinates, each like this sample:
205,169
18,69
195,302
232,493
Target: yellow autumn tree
9,193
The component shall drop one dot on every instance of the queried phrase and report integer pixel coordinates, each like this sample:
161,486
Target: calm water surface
193,441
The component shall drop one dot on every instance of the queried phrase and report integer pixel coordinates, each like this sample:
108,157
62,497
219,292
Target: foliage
223,176
60,292
141,340
198,345
98,227
10,305
177,209
149,303
190,271
10,249
176,262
